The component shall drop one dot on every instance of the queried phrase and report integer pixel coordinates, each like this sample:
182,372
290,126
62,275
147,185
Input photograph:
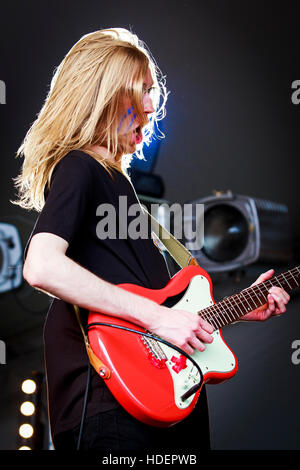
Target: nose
148,105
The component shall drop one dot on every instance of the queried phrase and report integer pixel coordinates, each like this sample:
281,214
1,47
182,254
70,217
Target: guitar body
149,378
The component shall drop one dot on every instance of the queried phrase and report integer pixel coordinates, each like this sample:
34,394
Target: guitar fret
231,306
227,316
278,283
253,290
252,303
224,312
250,308
234,299
268,282
219,323
216,319
287,281
214,324
262,293
297,284
204,314
210,318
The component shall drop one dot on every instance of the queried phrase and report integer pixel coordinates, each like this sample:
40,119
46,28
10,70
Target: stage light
30,428
10,257
24,448
28,386
240,230
26,430
226,233
27,408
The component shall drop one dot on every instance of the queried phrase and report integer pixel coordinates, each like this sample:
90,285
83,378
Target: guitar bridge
155,353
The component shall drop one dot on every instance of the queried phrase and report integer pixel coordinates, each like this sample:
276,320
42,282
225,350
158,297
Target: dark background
230,124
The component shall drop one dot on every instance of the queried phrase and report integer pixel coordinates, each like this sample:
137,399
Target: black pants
116,430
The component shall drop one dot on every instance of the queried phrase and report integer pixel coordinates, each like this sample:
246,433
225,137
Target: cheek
126,121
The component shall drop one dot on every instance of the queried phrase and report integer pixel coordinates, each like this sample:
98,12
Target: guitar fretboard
231,309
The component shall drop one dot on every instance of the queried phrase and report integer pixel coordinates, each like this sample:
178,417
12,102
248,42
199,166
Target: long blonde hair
82,108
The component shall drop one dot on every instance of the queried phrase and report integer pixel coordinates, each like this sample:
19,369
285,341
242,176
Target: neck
233,308
104,153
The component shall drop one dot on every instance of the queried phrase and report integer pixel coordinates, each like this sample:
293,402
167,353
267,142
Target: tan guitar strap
94,360
178,252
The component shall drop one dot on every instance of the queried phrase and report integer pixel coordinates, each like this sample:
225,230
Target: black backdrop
230,124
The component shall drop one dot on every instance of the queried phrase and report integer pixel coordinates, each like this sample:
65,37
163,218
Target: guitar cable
186,395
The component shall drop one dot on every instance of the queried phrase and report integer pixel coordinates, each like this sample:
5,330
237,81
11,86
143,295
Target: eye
149,90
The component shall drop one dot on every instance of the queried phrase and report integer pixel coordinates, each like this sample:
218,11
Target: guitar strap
178,252
94,360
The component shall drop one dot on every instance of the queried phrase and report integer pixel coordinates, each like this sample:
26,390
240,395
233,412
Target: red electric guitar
156,383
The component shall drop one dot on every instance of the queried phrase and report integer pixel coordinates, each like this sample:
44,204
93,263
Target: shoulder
77,161
79,165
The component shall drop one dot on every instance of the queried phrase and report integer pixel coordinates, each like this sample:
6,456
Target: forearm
63,278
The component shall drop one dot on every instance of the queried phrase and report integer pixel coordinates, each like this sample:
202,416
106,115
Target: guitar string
263,284
246,295
207,314
225,312
285,276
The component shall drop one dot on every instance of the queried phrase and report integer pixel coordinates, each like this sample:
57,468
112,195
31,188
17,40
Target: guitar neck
231,309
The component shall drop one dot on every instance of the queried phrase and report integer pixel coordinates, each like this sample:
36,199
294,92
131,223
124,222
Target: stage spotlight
26,430
10,257
27,408
28,386
226,233
30,428
240,230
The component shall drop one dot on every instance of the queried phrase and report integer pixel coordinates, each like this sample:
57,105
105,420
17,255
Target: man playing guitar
104,100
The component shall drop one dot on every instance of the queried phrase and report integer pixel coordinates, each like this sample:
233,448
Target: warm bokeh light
28,386
27,408
26,430
24,448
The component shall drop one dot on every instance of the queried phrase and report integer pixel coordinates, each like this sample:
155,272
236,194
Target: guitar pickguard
217,357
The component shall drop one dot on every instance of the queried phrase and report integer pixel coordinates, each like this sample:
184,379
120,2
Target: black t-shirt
78,186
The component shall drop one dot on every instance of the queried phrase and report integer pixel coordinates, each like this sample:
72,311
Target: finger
205,325
197,344
280,305
187,348
264,277
266,314
204,336
271,303
282,299
280,292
